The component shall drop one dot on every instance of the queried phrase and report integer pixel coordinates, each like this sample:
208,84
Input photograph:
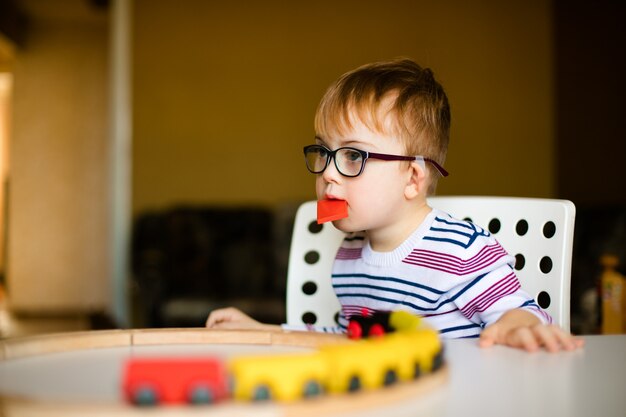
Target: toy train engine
369,325
379,323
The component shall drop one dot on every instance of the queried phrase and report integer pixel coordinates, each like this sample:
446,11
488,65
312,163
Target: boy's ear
417,184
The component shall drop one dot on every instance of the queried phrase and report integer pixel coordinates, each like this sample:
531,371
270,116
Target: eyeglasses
350,162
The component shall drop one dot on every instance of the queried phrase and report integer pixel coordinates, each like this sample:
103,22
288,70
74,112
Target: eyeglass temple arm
434,163
419,159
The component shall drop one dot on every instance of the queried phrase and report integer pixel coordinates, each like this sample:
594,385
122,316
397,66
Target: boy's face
375,198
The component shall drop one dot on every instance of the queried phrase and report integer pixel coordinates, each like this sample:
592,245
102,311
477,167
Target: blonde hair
397,98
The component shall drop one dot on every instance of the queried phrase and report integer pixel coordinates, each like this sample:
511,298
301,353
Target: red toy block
329,210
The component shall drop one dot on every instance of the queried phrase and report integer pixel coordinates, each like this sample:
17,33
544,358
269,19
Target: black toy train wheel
391,377
312,389
354,384
438,360
145,395
261,393
417,370
201,394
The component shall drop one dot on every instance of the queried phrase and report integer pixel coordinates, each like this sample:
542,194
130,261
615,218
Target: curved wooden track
47,346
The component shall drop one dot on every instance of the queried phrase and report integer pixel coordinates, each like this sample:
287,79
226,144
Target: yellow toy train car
279,377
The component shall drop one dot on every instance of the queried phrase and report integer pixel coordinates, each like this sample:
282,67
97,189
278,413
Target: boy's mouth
331,209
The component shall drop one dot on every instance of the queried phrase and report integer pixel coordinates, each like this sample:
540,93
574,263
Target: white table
498,381
506,382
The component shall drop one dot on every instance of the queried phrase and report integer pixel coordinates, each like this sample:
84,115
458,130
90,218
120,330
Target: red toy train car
150,381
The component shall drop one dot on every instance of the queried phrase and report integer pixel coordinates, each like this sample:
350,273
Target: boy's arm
521,329
232,318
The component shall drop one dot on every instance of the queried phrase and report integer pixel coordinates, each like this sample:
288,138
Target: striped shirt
452,272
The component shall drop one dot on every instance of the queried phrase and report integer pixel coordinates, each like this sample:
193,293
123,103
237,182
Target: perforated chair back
538,232
310,295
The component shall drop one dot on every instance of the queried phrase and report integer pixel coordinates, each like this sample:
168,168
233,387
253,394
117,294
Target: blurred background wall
225,93
223,97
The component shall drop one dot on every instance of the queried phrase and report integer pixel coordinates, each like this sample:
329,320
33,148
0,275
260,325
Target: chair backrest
538,232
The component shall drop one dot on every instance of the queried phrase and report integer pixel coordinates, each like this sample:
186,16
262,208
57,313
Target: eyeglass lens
348,161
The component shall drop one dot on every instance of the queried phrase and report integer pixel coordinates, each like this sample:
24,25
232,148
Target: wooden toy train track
311,350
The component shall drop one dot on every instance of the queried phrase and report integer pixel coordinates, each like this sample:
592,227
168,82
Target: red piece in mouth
330,210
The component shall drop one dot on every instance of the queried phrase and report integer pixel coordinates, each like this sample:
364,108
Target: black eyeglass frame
367,155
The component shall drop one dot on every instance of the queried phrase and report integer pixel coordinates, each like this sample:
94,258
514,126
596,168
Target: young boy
381,139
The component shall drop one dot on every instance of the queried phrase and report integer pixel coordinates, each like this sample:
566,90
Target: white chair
538,232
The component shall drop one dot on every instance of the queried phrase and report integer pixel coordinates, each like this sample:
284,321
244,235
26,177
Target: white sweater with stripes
451,272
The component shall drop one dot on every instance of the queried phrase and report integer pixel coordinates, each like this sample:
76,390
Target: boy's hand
232,318
521,329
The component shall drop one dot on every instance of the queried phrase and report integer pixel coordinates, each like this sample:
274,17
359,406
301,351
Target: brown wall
224,92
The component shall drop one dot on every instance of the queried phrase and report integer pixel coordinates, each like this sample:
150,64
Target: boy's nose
331,174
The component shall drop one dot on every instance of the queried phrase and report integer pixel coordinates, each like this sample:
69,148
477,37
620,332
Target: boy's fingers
551,338
548,336
565,340
486,342
487,338
212,319
522,337
219,316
